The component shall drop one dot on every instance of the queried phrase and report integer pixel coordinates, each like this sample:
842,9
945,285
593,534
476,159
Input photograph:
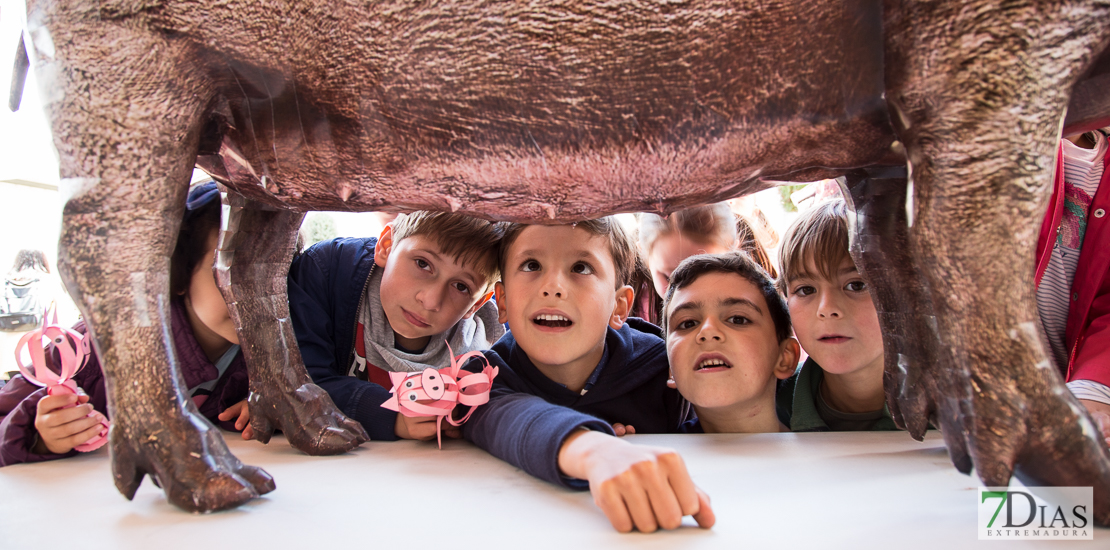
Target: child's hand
61,429
635,485
243,422
1100,413
422,428
622,430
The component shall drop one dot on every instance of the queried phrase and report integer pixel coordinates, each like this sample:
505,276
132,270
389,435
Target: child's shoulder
785,391
338,248
643,329
343,258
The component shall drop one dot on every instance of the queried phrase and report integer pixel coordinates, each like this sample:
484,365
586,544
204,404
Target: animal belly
549,114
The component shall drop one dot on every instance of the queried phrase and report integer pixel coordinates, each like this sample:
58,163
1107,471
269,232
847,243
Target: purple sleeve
527,432
17,429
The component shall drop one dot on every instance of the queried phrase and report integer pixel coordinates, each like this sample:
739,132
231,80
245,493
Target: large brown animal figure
563,111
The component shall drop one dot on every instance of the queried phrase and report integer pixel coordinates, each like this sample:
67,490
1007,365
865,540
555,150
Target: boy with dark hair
728,342
362,308
571,366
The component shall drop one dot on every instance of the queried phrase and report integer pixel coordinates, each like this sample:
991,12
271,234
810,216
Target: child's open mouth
552,321
712,365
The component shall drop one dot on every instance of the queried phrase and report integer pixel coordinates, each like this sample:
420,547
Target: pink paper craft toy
73,351
435,393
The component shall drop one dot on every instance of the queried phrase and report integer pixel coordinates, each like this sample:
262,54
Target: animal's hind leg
252,279
977,98
124,184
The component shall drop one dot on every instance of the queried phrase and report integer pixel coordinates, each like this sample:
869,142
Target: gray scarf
479,332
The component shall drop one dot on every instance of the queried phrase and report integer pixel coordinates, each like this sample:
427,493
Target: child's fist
61,429
624,429
422,428
635,485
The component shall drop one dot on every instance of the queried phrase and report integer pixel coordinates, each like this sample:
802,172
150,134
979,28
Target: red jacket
1088,329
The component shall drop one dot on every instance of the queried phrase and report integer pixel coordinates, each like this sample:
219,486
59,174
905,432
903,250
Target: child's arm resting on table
635,485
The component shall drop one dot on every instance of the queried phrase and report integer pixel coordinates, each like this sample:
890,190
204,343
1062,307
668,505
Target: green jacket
795,402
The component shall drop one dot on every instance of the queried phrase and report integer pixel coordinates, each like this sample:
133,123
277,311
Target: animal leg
979,116
881,249
124,184
256,247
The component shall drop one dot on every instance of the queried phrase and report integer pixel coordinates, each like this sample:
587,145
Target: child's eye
530,265
582,268
462,288
856,286
739,320
686,325
423,264
804,290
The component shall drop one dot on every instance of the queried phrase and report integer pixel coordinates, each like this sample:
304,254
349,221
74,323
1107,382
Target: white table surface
827,490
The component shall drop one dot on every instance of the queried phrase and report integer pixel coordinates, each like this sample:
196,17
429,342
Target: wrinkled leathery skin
112,202
252,278
980,129
561,112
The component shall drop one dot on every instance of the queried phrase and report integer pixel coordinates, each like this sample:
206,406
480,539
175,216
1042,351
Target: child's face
721,343
203,300
835,321
669,251
559,294
424,292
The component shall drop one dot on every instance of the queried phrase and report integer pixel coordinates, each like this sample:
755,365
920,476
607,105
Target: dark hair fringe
192,245
737,263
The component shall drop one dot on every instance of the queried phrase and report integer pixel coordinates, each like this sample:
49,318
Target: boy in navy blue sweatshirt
571,366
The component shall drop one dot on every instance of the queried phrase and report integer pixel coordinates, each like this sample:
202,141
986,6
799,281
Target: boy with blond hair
728,342
362,308
840,386
572,365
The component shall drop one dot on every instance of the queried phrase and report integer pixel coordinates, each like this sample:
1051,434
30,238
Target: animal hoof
193,466
308,417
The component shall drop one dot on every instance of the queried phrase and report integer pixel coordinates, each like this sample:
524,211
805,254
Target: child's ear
789,352
478,305
384,246
625,297
502,304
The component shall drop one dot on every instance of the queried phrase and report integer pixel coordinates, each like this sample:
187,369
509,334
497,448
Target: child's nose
828,307
709,332
430,298
553,286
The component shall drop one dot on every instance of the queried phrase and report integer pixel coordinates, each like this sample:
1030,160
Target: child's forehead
560,239
828,269
716,289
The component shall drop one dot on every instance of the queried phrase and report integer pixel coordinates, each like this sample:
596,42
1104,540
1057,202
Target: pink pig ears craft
435,393
73,351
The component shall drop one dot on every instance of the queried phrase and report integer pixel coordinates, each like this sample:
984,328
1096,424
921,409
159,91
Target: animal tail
19,75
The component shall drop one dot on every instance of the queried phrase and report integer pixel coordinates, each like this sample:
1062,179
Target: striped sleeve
1090,390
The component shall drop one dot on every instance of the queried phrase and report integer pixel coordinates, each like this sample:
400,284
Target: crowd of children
575,370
